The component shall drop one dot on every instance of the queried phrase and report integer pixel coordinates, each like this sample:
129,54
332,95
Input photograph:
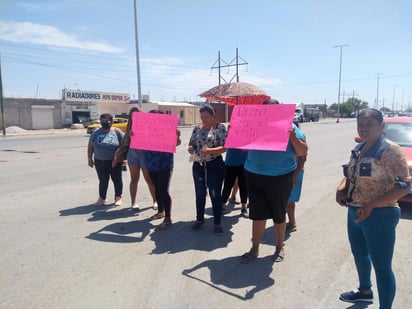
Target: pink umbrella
236,93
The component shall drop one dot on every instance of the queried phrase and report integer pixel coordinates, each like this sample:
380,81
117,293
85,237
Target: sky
285,47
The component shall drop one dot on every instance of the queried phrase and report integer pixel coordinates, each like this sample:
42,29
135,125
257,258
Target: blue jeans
209,175
372,241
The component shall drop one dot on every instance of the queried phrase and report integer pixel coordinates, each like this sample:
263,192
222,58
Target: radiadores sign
94,96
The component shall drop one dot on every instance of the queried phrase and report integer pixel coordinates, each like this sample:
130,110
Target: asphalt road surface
57,250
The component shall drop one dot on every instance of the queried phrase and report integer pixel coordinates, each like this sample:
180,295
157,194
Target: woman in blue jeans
376,177
206,144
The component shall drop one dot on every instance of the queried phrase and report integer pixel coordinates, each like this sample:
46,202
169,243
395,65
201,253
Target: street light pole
3,115
340,75
139,91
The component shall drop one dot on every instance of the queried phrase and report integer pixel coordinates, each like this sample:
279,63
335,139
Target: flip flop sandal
248,257
291,228
279,255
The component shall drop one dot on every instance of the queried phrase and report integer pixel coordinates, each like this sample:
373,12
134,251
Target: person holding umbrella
207,143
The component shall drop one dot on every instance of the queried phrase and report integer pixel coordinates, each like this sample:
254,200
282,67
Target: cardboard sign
155,132
260,127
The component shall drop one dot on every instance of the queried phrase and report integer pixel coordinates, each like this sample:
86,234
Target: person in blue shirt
102,146
269,180
296,191
160,167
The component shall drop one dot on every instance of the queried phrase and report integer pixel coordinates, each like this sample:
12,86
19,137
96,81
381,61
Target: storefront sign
94,96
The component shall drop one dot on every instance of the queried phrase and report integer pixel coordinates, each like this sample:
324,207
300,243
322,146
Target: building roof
181,104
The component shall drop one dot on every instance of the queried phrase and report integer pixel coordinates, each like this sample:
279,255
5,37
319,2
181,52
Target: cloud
26,32
29,6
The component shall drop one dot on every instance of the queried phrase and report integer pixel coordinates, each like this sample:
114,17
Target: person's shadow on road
229,274
82,210
114,213
179,237
123,232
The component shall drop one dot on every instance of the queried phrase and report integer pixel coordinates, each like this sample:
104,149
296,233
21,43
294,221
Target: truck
306,113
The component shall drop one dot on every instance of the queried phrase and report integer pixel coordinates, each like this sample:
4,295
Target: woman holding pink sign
136,161
160,167
207,142
269,181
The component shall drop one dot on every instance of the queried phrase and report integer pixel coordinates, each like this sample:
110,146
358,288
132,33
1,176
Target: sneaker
244,213
357,296
155,206
218,230
135,207
100,202
117,201
196,226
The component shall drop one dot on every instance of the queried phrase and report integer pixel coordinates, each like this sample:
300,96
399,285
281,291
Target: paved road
59,251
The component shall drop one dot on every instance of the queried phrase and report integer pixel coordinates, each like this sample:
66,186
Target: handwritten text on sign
260,127
155,132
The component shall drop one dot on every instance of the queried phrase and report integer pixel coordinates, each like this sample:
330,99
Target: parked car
399,130
90,121
120,123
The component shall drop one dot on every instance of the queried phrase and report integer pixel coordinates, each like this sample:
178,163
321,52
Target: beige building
187,113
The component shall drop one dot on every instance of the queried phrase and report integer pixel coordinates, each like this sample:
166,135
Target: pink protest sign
155,132
260,127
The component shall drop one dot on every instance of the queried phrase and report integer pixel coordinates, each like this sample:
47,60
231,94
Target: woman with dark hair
136,161
376,177
207,142
269,181
160,168
103,143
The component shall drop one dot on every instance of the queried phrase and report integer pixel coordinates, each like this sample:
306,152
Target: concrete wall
18,111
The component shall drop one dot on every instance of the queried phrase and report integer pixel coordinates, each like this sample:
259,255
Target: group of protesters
269,184
264,181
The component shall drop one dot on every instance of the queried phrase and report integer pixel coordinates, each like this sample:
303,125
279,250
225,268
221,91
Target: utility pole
354,95
233,63
377,92
353,103
139,87
3,115
402,107
343,96
393,99
340,75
